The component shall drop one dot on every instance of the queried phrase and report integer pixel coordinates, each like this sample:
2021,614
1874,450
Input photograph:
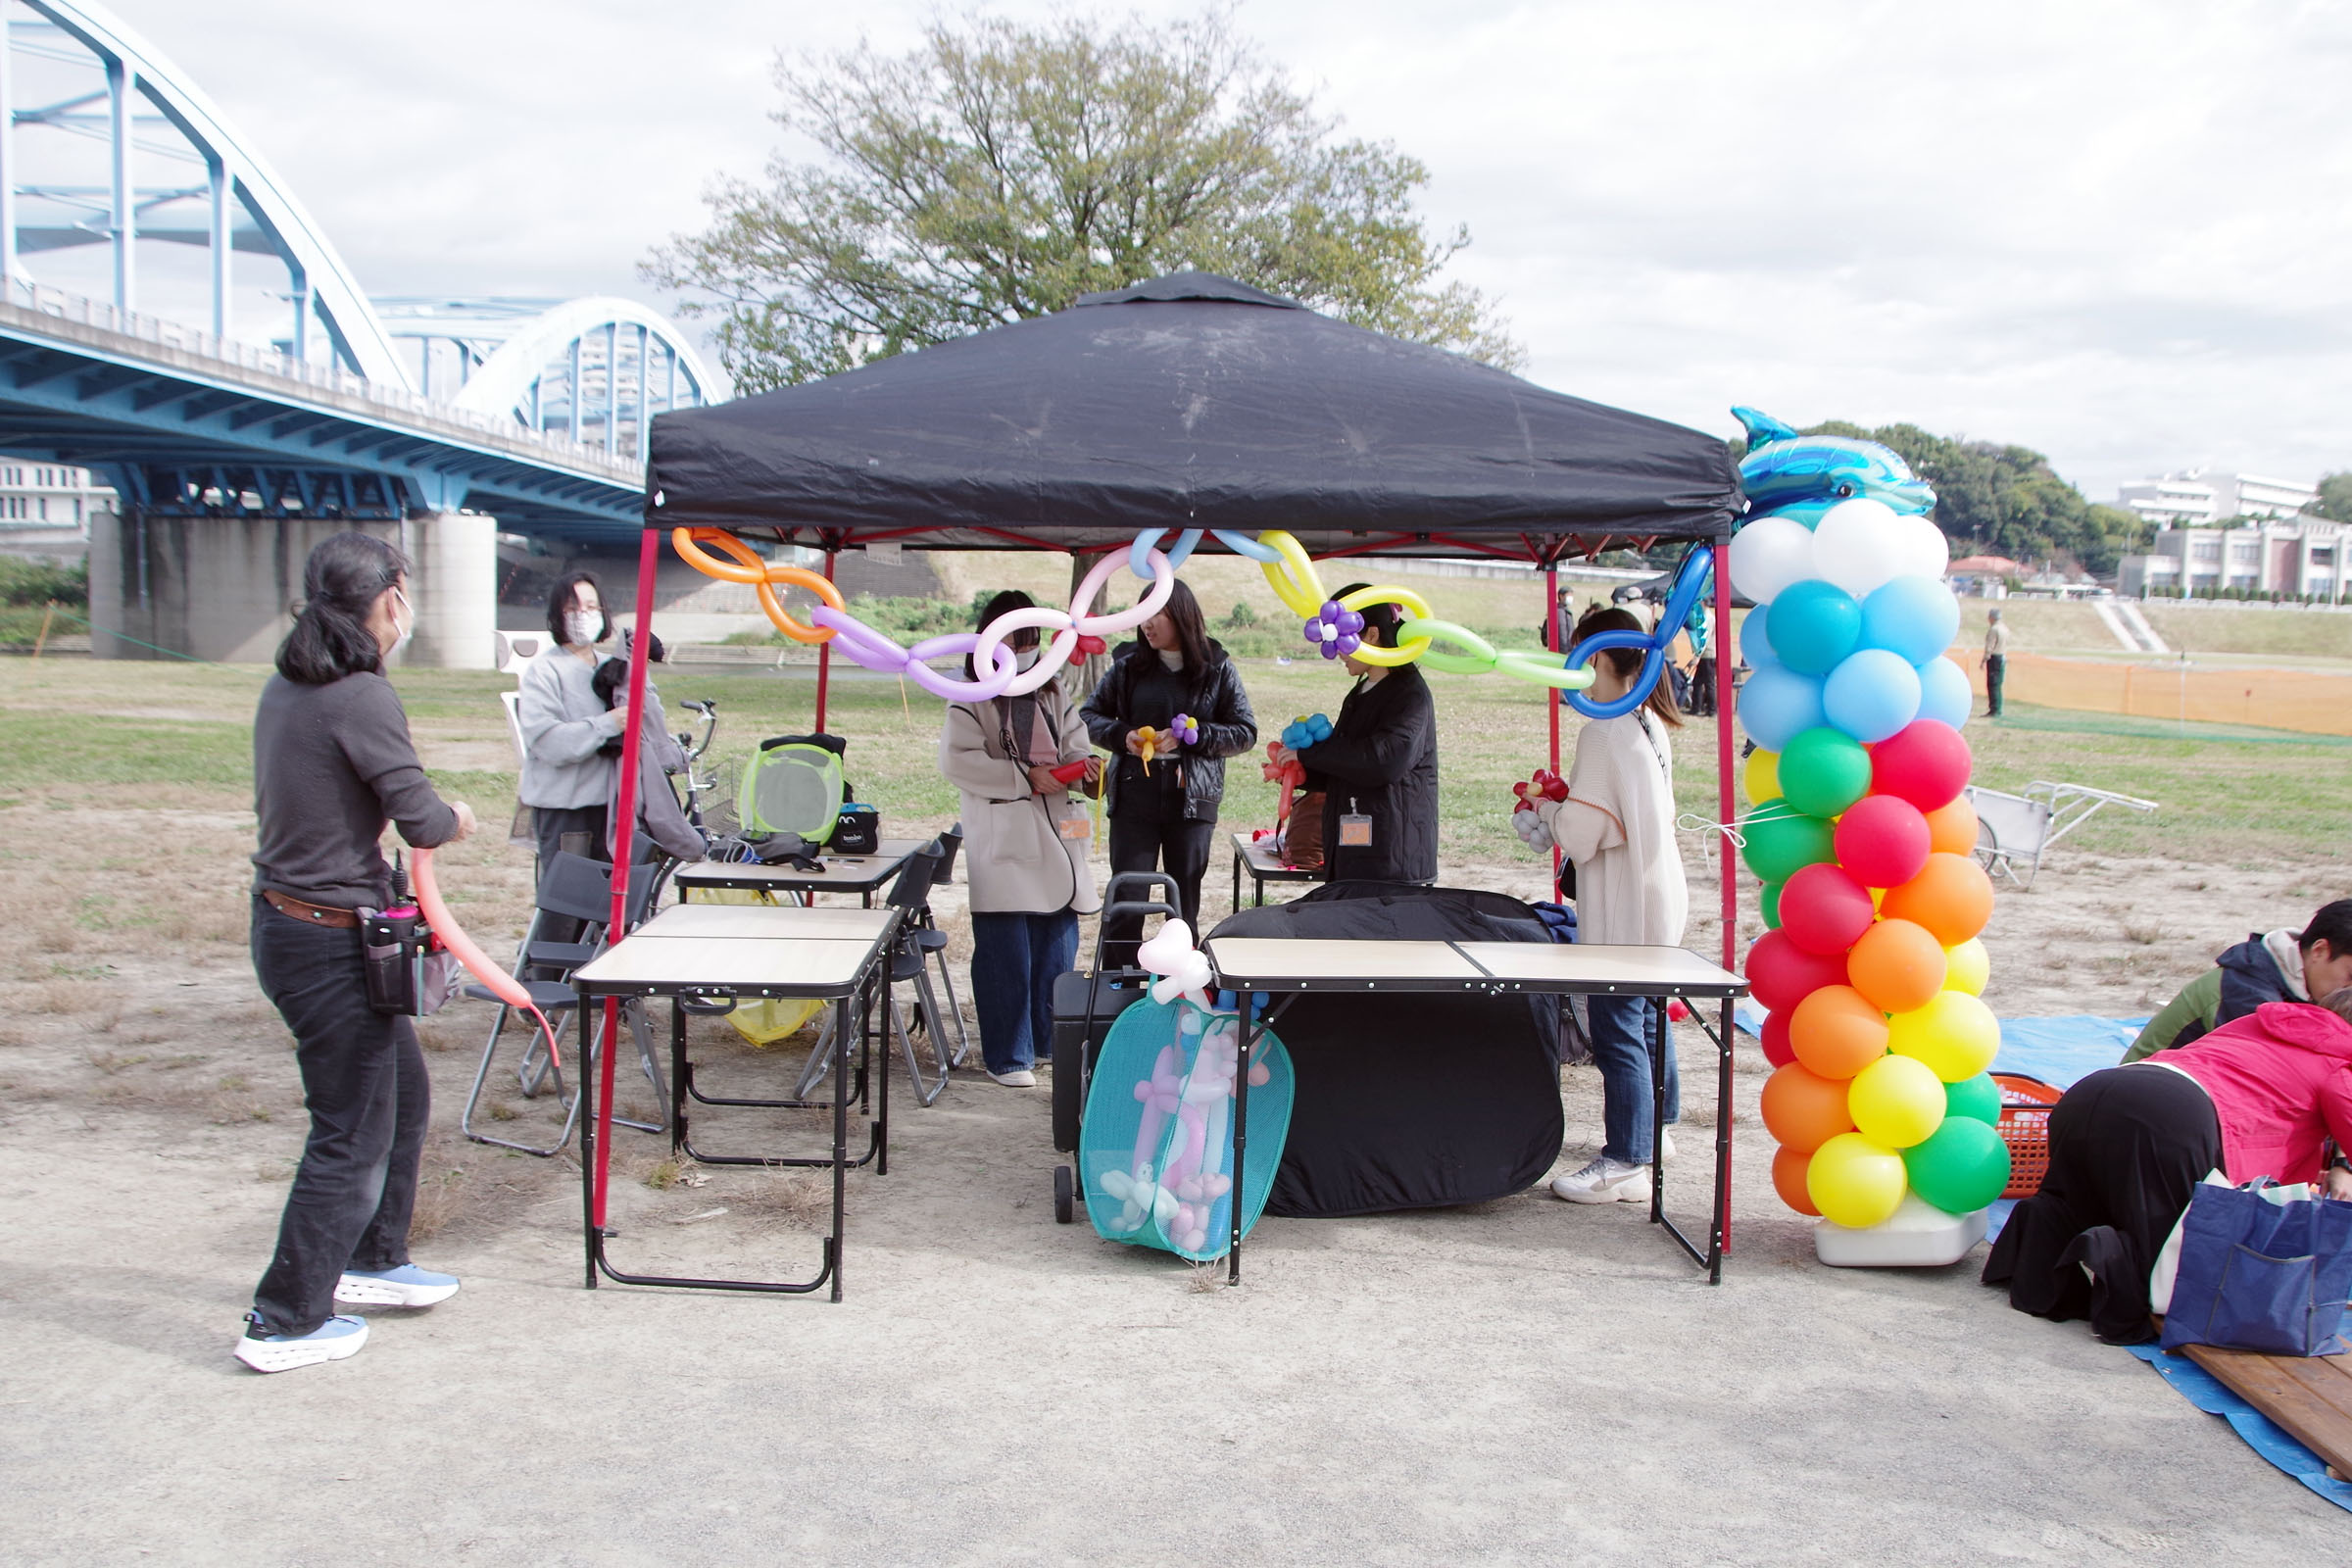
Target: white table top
665,965
1265,860
842,873
752,921
1323,964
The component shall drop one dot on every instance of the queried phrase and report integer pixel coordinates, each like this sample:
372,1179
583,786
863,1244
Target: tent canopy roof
1188,401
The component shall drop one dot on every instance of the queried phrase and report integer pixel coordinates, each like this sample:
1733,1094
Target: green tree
999,171
2335,498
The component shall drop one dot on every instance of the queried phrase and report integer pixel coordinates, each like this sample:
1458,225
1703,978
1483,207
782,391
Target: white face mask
1027,656
400,633
581,625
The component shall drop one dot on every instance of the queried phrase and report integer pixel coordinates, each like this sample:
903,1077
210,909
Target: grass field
86,732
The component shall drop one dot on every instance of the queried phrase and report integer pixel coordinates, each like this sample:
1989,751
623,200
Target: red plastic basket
2025,1126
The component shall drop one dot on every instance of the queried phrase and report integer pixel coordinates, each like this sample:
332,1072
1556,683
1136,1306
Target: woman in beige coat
1025,844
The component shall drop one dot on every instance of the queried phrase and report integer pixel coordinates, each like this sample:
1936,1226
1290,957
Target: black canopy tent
1189,401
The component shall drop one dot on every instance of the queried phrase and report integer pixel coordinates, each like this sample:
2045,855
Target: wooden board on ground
2309,1397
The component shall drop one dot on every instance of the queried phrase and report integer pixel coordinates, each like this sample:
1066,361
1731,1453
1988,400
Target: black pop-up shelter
1185,402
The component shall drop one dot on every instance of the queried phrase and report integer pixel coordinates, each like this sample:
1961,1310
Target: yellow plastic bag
762,1020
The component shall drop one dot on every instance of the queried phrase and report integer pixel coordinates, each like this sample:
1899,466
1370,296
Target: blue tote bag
2257,1275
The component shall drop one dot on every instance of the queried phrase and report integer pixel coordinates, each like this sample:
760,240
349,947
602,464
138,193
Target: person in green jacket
2283,965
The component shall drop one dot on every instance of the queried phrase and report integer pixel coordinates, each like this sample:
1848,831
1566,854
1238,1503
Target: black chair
934,943
575,896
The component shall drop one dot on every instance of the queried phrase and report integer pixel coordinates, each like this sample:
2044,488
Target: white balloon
1769,554
1858,545
1924,551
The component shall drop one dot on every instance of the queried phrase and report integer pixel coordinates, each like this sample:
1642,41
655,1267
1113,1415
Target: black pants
364,1086
1703,687
550,825
1140,841
2128,1146
1996,669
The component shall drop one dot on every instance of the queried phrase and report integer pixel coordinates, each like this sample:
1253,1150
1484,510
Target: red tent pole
624,852
824,660
1724,814
1552,625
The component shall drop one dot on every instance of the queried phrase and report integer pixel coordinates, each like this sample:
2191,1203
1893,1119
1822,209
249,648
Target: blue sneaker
330,1340
405,1286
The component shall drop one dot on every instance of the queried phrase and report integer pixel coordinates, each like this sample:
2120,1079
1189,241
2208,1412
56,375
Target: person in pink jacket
2261,1096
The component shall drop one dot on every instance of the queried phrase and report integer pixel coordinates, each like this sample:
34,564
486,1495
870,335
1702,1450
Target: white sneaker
1665,1146
1018,1078
330,1340
405,1286
1604,1181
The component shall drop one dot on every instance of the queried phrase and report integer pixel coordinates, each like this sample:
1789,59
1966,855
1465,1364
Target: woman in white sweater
1617,827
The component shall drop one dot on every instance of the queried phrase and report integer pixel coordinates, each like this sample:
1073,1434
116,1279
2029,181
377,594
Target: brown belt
312,914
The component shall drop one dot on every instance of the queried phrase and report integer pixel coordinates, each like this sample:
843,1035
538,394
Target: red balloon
1884,839
1783,974
1824,911
1924,762
1777,1048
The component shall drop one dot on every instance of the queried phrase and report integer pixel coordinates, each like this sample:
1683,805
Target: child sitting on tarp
2286,965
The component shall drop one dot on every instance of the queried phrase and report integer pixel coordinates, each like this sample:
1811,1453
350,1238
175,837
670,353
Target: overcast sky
2118,232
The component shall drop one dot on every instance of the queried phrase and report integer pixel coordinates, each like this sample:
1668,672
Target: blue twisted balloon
1690,581
1241,544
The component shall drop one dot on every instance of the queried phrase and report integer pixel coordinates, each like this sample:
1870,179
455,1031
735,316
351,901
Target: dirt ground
1522,1381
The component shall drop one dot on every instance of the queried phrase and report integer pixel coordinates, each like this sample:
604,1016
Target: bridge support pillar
225,588
454,559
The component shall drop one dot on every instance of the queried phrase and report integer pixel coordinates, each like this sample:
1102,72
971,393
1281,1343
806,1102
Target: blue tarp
2264,1436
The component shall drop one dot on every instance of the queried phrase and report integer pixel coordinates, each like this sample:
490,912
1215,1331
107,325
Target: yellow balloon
1294,577
1969,966
1417,607
1762,776
1895,1101
1954,1034
1854,1182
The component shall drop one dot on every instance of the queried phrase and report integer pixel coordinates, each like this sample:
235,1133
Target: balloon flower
1335,630
1860,829
1305,731
1289,775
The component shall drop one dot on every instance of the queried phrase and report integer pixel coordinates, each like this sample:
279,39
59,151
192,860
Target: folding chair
576,890
909,964
2018,828
934,943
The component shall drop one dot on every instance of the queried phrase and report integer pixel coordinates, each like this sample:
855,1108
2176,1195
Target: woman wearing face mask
1379,768
332,763
569,736
1025,854
1163,816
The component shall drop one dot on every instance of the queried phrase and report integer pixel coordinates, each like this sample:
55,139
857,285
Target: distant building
2286,554
2195,496
45,508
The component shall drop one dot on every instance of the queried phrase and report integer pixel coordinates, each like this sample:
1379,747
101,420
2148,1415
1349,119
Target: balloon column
1858,827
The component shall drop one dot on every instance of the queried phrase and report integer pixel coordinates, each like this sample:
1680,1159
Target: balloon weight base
1918,1235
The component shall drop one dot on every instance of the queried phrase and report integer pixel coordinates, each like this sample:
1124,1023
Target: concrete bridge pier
225,588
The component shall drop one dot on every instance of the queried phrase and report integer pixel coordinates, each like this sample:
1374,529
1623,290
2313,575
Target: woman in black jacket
1380,763
1166,818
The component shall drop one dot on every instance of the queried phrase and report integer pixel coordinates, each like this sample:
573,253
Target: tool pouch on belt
410,975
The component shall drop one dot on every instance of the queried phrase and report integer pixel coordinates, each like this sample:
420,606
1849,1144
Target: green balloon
1961,1168
1823,771
1783,841
1771,903
1979,1097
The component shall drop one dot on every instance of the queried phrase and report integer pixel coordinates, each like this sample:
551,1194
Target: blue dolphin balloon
1783,468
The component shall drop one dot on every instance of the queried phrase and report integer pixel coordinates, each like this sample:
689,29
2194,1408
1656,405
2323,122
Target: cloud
2109,230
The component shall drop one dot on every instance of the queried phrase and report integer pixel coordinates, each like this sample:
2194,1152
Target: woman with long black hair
1163,812
1025,854
332,763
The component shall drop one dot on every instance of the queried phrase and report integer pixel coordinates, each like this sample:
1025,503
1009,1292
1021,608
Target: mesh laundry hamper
1156,1148
794,785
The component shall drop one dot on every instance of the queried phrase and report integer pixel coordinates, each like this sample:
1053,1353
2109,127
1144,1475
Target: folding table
1264,861
704,958
1290,967
860,875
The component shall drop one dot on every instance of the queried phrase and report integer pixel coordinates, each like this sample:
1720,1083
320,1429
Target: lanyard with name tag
1355,828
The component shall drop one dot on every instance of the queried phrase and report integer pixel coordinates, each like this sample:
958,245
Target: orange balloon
1803,1110
1898,965
1952,829
1837,1031
1952,898
1789,1180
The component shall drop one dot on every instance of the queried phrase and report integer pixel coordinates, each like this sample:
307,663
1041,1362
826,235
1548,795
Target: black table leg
587,1091
681,1072
1723,1149
882,1108
1658,1046
1241,1136
841,1135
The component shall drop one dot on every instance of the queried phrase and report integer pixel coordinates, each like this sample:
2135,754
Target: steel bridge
172,317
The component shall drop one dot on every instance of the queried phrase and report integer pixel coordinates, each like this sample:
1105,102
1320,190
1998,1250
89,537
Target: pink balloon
501,984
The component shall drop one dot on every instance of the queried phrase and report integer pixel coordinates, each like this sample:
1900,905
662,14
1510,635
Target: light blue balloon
1814,625
1776,704
1871,695
1914,616
1755,644
1945,694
